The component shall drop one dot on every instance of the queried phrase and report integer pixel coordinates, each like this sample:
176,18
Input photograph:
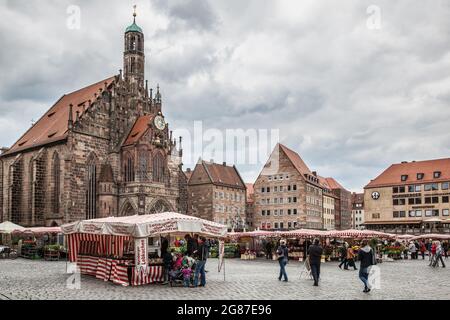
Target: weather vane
134,13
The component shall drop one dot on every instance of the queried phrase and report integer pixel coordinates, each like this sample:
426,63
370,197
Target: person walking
351,258
429,245
269,248
343,252
445,249
433,253
366,257
315,255
423,248
438,255
412,249
201,256
283,256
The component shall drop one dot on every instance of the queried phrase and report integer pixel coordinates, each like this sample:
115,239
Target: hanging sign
141,253
221,254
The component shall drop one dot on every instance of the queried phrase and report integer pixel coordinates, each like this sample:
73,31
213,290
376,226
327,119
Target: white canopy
9,227
147,225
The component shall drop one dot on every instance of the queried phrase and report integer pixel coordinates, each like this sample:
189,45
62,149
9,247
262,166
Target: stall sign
141,254
221,254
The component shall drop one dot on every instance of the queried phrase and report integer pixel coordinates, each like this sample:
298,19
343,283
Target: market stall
248,245
6,229
40,242
117,248
433,236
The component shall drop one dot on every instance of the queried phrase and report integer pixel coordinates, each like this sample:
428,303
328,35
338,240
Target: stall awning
141,226
9,227
39,230
392,222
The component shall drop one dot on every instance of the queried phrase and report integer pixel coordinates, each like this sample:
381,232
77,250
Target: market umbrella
8,227
306,233
433,220
432,236
250,234
38,230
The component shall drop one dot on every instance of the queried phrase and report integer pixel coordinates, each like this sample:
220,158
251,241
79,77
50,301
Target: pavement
22,279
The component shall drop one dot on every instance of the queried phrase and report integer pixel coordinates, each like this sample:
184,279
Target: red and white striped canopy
433,236
39,230
147,225
305,233
250,234
359,234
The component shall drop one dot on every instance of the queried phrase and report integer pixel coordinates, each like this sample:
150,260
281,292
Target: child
186,276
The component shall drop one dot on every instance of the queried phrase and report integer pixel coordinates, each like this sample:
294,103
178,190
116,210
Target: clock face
160,123
375,195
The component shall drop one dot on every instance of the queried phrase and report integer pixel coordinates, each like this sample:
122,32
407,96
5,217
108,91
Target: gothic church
103,150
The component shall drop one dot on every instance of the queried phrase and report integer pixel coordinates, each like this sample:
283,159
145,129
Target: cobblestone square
254,280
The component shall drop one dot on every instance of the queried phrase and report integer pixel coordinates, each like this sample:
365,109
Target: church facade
103,150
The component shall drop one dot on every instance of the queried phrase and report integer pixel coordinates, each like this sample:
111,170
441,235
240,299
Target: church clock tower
134,57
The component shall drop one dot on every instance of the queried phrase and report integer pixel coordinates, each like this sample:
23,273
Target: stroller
176,277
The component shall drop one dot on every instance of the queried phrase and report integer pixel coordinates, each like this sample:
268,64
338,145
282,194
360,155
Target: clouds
349,99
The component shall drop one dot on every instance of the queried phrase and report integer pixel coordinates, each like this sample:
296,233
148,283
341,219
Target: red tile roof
53,125
140,127
223,175
334,184
188,174
296,160
357,197
393,175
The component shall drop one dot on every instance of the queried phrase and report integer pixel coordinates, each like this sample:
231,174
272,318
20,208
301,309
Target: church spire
134,57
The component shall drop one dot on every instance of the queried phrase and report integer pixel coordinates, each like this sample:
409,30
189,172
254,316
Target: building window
431,187
268,189
418,187
294,187
289,212
436,213
275,189
275,212
445,212
263,189
281,212
412,213
158,168
427,200
375,216
281,225
437,174
270,178
411,188
56,182
435,199
404,177
263,212
268,212
445,185
128,169
418,213
445,199
428,213
143,165
395,190
91,197
420,176
294,199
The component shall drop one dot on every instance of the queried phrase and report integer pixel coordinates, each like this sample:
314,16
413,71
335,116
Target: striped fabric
95,244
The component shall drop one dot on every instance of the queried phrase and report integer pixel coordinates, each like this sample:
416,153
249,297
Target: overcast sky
349,92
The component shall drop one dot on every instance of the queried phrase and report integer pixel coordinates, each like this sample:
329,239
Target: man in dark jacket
283,256
365,255
201,255
315,256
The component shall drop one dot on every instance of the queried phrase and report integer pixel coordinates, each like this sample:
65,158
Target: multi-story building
216,192
329,200
343,205
406,195
250,205
287,194
103,150
357,210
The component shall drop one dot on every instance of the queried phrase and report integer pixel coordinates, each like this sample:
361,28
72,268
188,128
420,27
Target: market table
118,271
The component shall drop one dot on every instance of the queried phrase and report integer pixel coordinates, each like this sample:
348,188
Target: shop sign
140,253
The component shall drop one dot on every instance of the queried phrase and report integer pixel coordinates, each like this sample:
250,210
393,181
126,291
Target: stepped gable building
329,205
287,194
250,205
407,195
357,210
216,192
103,150
343,205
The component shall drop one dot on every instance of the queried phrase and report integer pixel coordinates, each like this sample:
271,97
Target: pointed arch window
128,168
143,165
158,168
91,194
56,175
